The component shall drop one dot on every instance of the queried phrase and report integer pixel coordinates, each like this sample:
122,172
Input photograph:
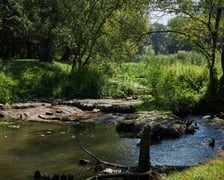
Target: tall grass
168,82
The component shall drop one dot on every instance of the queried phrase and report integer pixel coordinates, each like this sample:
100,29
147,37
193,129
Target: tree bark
66,54
46,50
222,61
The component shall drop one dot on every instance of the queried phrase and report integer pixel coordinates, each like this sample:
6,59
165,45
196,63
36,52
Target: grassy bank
25,78
167,83
213,170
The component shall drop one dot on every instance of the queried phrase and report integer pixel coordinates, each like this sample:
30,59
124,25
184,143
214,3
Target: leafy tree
13,25
93,28
159,41
44,19
199,22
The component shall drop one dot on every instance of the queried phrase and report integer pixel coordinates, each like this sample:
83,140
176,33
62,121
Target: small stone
65,119
1,106
84,161
49,113
96,110
129,98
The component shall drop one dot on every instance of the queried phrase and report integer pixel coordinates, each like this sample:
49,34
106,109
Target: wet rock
84,161
162,127
2,115
49,113
65,118
96,110
105,105
207,117
119,109
37,175
127,127
212,143
220,115
38,112
27,105
2,106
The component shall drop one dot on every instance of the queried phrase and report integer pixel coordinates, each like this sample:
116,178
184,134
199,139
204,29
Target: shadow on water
54,148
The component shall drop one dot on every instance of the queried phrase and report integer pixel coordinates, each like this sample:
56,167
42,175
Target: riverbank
210,170
117,111
107,111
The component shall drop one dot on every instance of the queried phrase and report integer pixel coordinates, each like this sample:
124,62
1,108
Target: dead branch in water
100,161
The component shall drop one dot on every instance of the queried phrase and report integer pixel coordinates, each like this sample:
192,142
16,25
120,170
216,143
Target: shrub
85,83
6,88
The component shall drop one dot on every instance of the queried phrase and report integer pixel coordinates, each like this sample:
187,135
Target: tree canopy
83,29
201,23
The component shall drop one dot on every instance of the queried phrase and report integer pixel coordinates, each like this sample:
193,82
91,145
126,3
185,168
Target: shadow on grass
34,78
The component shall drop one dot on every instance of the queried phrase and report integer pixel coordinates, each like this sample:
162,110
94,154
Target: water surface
54,148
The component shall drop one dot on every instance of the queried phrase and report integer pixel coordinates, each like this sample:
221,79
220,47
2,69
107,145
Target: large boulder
162,127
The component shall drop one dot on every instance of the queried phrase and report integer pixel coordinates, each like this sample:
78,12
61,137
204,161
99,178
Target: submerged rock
84,161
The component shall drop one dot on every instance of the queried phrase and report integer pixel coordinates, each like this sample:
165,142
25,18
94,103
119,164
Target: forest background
96,48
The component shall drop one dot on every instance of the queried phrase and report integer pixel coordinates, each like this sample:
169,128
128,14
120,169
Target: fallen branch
100,161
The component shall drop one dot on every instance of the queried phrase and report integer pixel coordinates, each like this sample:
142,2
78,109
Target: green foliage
85,83
176,85
167,82
6,88
25,78
210,171
32,77
164,82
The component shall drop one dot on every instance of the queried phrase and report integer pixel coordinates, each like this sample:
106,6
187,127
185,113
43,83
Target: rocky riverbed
118,111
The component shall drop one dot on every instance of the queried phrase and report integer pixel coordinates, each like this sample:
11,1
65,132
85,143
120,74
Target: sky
160,17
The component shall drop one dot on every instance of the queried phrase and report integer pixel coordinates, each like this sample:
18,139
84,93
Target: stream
54,148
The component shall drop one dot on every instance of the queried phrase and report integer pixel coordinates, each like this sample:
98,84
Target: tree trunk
222,61
46,50
213,74
213,81
221,80
66,54
29,53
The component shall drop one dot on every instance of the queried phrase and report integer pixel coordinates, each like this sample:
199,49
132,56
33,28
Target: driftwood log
101,162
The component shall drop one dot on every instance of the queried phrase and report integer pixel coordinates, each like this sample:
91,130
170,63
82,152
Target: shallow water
54,149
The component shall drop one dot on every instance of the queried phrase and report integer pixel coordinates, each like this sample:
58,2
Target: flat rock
40,112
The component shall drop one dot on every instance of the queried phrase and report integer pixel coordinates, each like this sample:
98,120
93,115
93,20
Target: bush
6,88
85,83
173,84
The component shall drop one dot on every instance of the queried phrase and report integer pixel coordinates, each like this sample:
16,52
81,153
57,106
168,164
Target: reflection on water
54,148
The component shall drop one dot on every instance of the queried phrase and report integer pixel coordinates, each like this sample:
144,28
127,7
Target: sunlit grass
213,170
64,66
